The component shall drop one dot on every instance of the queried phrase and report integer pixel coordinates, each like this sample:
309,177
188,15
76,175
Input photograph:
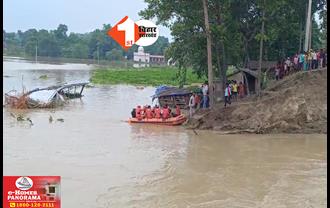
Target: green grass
153,76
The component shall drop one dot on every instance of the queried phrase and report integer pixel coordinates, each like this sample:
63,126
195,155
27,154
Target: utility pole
37,51
310,33
308,26
98,55
260,51
209,53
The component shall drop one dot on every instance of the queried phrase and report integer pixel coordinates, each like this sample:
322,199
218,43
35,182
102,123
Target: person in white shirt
192,105
227,95
314,61
205,90
287,65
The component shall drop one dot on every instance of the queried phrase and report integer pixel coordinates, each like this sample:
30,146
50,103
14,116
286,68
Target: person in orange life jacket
177,111
157,112
166,112
149,114
138,112
143,112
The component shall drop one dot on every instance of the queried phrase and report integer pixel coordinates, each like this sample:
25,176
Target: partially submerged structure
172,96
48,97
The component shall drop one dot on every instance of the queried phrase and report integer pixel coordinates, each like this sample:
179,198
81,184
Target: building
248,75
142,57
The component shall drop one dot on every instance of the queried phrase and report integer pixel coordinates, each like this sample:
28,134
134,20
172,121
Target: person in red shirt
197,101
149,114
157,112
166,112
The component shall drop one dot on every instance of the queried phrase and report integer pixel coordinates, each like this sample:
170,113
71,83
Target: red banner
31,191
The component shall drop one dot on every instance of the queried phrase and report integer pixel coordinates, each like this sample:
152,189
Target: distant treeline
58,43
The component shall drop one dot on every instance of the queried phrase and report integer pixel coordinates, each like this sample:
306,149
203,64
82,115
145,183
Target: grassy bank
143,76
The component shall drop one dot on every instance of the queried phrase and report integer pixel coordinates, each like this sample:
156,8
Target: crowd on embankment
303,61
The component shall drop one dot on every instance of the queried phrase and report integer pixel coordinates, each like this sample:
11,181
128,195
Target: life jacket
177,110
157,113
143,112
138,113
166,113
148,113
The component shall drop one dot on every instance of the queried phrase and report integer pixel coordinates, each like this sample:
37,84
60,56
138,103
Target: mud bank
295,104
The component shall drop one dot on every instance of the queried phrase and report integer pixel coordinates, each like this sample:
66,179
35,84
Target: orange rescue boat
173,121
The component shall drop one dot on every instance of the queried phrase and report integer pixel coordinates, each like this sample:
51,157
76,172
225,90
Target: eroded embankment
296,104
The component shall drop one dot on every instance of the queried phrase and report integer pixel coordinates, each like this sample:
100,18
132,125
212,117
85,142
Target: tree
60,32
159,47
115,55
209,52
259,79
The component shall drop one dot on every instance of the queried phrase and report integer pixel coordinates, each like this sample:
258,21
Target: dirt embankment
296,104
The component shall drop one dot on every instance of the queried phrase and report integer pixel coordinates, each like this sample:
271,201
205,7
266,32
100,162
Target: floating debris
12,115
20,118
43,77
48,97
90,86
60,119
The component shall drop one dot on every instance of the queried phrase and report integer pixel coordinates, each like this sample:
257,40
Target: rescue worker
177,111
143,111
138,112
166,112
157,112
133,113
149,114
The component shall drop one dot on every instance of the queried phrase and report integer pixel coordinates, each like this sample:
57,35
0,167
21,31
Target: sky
79,15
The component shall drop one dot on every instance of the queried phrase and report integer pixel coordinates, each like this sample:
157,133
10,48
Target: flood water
105,162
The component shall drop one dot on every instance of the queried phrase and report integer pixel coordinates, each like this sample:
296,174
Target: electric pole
37,51
308,26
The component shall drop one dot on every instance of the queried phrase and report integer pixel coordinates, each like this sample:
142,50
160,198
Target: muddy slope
296,104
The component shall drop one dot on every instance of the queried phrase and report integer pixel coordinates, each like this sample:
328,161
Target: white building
143,57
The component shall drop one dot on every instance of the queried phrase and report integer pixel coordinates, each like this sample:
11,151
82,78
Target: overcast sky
79,15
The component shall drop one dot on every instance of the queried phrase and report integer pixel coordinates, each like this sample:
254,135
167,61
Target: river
105,162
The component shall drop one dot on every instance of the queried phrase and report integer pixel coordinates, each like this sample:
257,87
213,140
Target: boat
172,96
173,121
48,97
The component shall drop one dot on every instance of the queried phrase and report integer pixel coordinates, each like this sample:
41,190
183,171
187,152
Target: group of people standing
302,61
233,91
199,100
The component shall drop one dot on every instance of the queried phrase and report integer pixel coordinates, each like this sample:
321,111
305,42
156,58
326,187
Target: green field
153,76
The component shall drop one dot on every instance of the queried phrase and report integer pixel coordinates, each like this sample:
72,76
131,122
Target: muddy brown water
105,162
